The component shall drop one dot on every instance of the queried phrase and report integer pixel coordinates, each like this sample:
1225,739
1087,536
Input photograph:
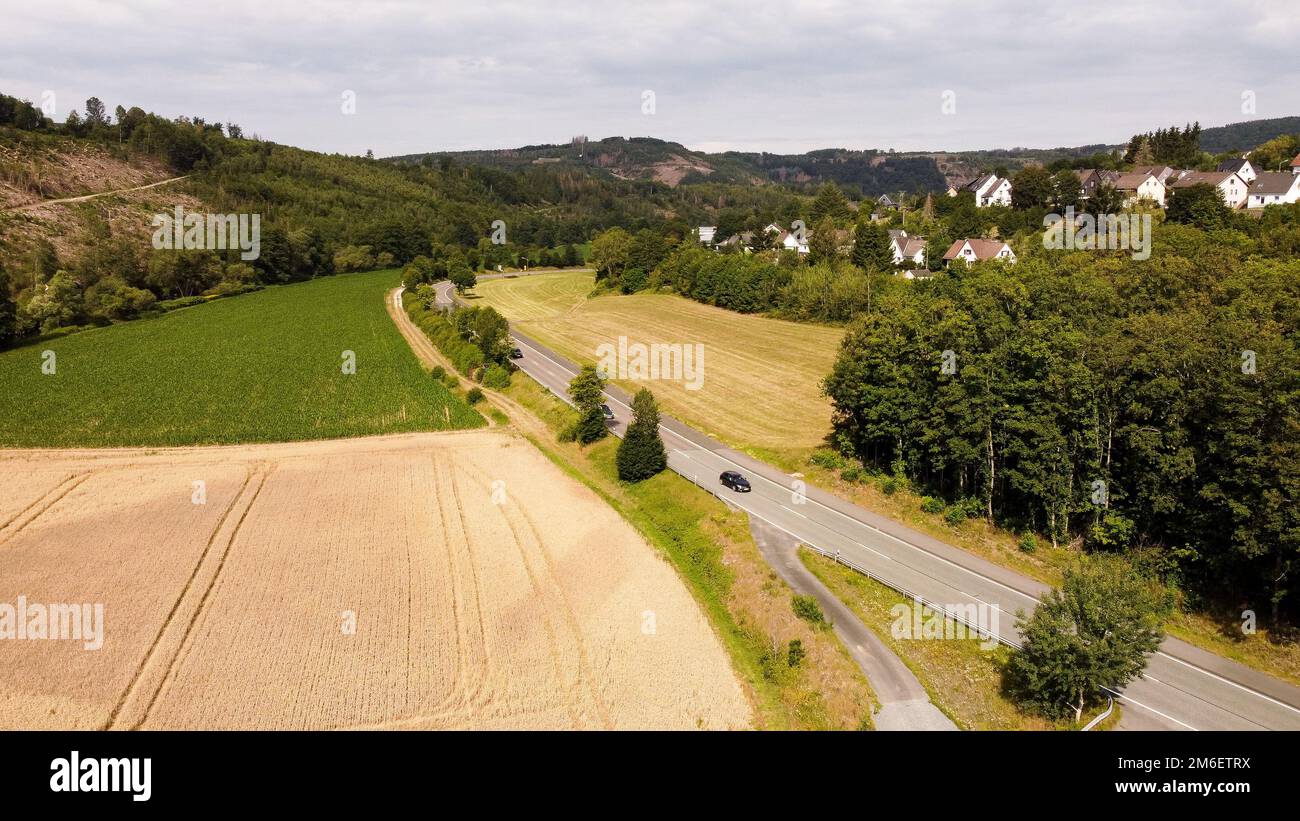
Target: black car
515,353
735,481
607,413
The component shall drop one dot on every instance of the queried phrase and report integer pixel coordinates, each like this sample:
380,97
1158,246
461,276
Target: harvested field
762,376
477,605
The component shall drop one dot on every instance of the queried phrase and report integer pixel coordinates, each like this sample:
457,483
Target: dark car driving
515,353
607,413
735,481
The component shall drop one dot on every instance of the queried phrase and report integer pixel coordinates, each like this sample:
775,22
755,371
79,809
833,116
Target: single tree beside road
1095,631
641,453
586,390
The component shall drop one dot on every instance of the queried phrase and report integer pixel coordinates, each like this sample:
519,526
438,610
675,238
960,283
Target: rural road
29,206
1183,688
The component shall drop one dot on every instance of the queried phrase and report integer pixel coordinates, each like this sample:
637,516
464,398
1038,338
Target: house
1140,185
789,242
1160,172
886,202
979,250
989,189
1231,186
917,273
706,232
1090,179
1273,188
907,249
1295,165
772,228
744,241
1241,167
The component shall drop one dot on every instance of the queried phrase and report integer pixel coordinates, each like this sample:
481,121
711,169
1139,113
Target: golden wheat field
453,580
762,377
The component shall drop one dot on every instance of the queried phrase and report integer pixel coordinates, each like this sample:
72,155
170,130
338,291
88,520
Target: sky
751,76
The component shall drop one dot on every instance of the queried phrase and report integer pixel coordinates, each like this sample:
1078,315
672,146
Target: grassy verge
963,679
710,546
268,366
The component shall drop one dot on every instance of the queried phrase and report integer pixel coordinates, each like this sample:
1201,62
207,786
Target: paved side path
904,704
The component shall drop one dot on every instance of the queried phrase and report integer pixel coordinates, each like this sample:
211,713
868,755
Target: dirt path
84,197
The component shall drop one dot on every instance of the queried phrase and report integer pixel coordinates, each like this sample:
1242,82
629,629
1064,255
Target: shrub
955,515
496,377
451,381
932,505
890,486
1027,543
851,473
796,653
474,396
438,372
825,458
807,608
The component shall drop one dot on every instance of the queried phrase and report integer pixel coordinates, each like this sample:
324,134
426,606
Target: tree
641,454
95,115
822,245
458,271
587,391
1201,205
829,203
1096,631
610,252
1065,190
872,250
8,313
1032,188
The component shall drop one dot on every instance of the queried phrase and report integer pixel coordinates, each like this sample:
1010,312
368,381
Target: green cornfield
262,367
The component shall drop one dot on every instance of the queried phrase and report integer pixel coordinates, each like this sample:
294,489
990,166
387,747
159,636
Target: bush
932,505
824,458
955,515
807,608
1027,543
438,372
852,473
451,381
890,486
474,396
496,377
796,653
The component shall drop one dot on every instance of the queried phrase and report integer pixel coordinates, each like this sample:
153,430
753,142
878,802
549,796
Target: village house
1140,185
1241,167
989,189
907,249
787,241
1295,165
1273,188
1231,187
887,203
705,233
1160,172
979,250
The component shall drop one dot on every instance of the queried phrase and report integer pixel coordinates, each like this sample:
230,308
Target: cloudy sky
788,76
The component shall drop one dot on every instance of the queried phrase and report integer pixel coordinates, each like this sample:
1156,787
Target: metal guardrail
1110,708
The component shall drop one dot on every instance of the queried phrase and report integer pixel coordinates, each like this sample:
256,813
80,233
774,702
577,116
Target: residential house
979,250
1140,185
1160,172
787,241
706,232
1273,188
1241,167
1295,165
886,202
1231,186
989,189
907,249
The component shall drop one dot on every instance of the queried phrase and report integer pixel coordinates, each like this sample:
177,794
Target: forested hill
860,173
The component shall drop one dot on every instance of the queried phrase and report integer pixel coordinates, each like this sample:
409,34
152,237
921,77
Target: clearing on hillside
456,580
762,376
265,366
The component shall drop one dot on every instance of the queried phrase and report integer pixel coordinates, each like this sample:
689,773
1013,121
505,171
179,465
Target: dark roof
1233,165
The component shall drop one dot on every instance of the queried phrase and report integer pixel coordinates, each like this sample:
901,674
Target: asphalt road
1183,688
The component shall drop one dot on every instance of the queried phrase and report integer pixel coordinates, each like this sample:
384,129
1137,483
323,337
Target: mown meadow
265,366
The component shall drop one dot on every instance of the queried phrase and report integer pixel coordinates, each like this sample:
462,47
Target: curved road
1183,688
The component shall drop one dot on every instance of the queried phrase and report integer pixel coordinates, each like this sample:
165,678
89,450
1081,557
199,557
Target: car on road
608,414
735,481
515,353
